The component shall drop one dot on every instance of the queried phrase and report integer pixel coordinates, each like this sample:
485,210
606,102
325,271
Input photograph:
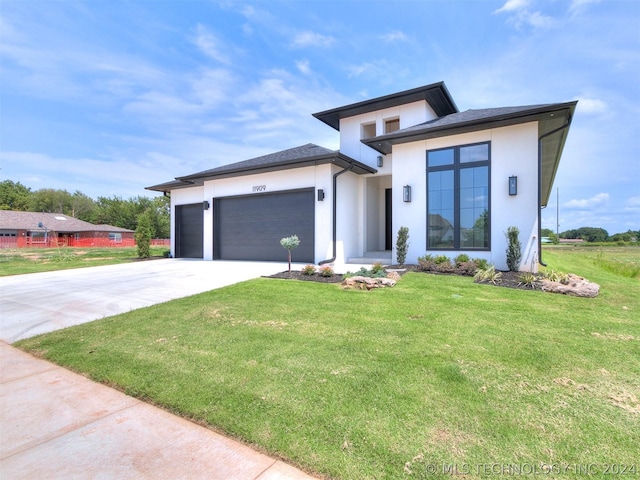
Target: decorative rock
369,283
393,276
576,286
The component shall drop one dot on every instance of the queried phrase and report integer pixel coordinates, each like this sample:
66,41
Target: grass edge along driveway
435,374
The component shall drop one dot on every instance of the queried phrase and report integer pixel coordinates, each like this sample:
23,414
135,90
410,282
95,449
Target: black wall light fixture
320,195
380,161
205,205
406,193
513,185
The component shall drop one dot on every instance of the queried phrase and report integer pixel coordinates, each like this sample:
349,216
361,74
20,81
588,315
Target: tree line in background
114,211
592,234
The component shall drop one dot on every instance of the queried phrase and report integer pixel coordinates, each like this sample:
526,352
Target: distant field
623,261
16,261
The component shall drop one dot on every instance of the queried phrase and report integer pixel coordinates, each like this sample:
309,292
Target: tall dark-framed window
458,197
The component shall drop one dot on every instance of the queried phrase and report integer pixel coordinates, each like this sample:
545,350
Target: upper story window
368,130
458,208
391,125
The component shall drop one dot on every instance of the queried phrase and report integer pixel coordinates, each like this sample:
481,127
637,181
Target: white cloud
513,5
579,5
357,70
312,39
588,203
537,20
303,66
209,44
591,105
521,15
394,36
632,203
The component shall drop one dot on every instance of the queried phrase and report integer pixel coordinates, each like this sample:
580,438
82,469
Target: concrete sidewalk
56,424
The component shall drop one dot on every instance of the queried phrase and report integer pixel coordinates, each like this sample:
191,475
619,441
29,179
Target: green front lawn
16,261
404,382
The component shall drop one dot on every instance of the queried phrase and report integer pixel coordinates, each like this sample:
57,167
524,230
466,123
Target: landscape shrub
489,274
481,262
514,249
402,245
462,258
377,268
527,279
441,259
326,271
462,264
309,270
555,276
376,271
467,268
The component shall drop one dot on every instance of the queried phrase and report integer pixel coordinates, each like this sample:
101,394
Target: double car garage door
250,227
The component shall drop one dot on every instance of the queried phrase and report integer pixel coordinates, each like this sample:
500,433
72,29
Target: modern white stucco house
456,179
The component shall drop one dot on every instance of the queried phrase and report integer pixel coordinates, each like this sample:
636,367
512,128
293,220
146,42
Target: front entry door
388,234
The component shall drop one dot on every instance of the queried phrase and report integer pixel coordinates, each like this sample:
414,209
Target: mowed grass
16,261
405,382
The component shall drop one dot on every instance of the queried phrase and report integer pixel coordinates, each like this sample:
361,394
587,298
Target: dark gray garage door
189,229
250,227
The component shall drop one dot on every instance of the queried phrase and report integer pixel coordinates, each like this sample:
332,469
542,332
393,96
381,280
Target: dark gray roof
549,117
436,95
302,156
55,222
464,122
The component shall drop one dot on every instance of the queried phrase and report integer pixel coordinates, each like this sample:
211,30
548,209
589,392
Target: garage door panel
250,227
189,231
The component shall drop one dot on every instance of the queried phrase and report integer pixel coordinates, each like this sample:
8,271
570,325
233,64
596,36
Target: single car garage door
189,229
250,227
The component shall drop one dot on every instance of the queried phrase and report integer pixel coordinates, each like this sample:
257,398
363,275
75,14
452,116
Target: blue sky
108,97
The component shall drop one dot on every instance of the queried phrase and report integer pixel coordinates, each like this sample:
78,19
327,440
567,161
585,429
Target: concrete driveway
59,425
43,302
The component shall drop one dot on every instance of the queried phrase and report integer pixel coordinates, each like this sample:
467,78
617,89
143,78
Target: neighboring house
457,180
33,229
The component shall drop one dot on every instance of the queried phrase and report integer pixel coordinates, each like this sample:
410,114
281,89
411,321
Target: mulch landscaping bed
316,277
508,279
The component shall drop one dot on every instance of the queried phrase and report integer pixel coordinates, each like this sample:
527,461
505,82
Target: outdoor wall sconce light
205,205
379,160
406,193
513,185
320,195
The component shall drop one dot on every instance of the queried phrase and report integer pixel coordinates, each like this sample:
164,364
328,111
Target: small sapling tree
402,245
290,243
514,250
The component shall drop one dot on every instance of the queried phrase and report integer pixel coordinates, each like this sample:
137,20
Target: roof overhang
552,133
197,179
439,127
436,95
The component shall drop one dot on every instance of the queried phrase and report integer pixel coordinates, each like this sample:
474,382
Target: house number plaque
259,188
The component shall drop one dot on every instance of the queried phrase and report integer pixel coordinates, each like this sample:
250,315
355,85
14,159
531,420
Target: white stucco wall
319,177
183,196
513,152
350,198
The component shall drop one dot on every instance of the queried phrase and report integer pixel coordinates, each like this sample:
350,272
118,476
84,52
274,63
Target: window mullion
456,198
